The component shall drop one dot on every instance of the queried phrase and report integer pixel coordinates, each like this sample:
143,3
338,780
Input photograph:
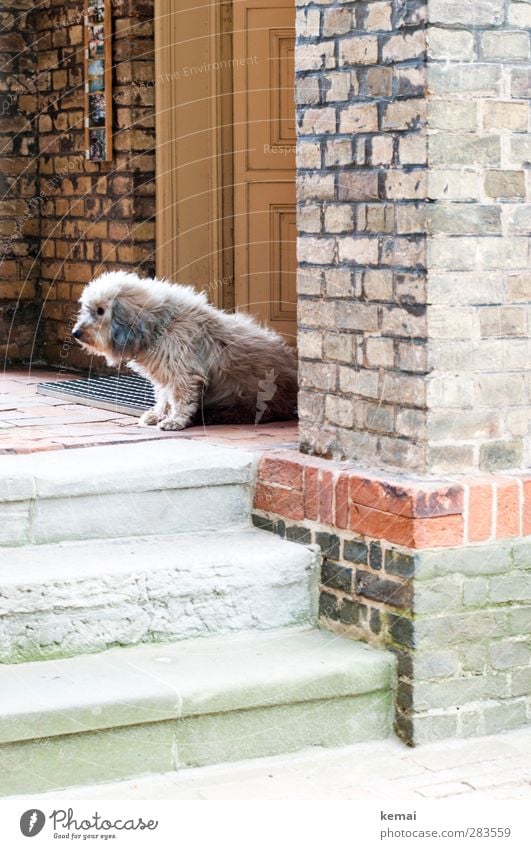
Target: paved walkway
497,767
30,422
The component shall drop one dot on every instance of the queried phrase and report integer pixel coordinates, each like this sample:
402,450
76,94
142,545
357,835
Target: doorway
224,89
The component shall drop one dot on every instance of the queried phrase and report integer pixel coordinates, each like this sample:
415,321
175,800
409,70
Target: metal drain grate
120,393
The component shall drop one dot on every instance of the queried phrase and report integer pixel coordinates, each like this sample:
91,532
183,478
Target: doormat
127,394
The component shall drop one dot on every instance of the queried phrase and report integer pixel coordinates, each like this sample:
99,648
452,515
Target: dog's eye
100,310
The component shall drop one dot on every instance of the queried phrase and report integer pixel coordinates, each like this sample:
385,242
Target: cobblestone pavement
496,767
30,422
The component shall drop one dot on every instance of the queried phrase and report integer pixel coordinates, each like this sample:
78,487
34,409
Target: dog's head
117,318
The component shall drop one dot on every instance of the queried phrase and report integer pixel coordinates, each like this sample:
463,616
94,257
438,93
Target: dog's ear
127,330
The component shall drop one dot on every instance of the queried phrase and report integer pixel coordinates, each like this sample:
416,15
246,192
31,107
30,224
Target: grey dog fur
205,364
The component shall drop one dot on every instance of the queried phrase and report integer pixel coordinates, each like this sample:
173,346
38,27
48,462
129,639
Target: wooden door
194,140
264,161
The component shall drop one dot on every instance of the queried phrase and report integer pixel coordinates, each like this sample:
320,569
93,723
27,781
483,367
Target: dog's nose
76,333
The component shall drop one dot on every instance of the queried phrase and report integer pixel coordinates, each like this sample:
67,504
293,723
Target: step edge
174,704
173,716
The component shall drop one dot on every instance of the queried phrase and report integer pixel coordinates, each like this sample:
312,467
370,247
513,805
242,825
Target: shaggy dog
206,365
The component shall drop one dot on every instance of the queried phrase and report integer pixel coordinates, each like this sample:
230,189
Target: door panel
194,139
264,161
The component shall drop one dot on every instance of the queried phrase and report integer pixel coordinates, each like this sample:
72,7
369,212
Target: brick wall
97,216
479,224
64,219
19,204
436,570
360,71
414,357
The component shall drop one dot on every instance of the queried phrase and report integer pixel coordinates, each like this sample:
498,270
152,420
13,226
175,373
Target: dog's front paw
177,423
148,418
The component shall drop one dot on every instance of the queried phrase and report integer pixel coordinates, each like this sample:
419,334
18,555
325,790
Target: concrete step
162,487
76,597
132,711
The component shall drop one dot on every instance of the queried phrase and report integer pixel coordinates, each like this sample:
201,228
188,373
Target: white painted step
70,598
132,711
159,487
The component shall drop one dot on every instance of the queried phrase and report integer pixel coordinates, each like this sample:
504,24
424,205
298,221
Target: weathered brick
483,80
307,90
453,12
362,251
309,281
358,185
308,154
316,251
339,411
410,81
392,593
463,149
378,17
520,14
309,218
521,150
520,82
505,184
502,321
316,186
310,344
363,382
404,115
450,44
312,57
336,21
455,185
337,577
359,118
360,50
338,152
452,115
397,321
339,86
382,148
403,185
308,22
464,218
338,218
338,346
413,150
506,116
400,48
379,82
519,287
316,121
379,352
340,283
505,45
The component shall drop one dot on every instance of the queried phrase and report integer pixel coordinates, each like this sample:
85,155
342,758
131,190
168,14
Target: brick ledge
405,510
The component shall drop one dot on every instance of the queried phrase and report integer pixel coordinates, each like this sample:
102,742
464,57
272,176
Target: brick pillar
479,222
361,92
413,289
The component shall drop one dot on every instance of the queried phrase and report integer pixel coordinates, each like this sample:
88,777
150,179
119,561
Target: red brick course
405,511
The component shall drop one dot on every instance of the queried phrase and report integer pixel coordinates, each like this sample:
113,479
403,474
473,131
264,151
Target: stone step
132,711
160,487
76,597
